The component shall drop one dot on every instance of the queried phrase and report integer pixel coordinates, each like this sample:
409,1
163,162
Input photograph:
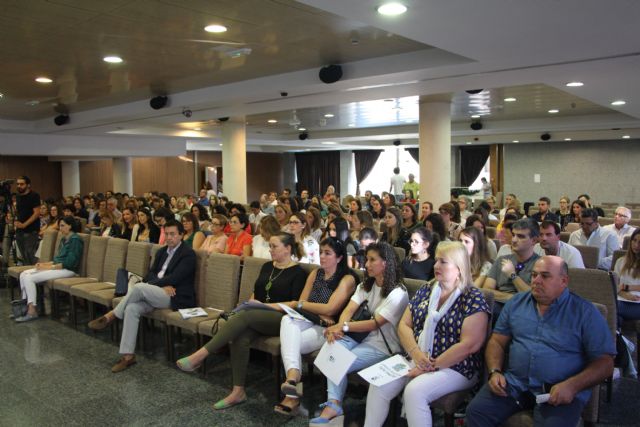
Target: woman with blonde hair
476,245
260,245
282,213
442,331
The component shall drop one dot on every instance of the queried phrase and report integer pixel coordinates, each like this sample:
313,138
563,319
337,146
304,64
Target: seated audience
577,206
510,201
260,244
280,281
409,223
282,214
130,225
442,331
448,212
563,361
564,213
339,229
216,242
627,269
325,294
387,299
66,263
434,223
300,229
393,232
549,243
160,217
239,241
463,204
169,284
480,264
108,225
544,214
358,221
426,208
378,210
148,231
420,260
80,211
591,234
255,216
478,222
620,226
355,206
204,220
587,203
366,237
314,219
192,237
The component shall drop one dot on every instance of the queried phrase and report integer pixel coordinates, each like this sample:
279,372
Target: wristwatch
513,276
300,304
345,327
495,371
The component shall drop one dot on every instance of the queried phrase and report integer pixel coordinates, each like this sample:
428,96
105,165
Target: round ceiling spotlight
112,59
44,80
510,99
215,28
392,9
618,102
574,84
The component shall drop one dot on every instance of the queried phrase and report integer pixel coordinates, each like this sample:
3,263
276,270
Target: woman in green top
65,264
193,237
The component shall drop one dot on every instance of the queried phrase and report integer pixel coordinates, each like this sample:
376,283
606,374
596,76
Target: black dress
421,270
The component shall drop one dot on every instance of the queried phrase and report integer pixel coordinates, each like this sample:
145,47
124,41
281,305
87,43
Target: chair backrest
222,280
605,221
85,251
154,250
596,286
413,285
590,255
138,258
625,242
564,236
571,227
250,272
308,268
200,277
360,275
400,253
491,232
115,258
617,255
95,256
83,225
48,245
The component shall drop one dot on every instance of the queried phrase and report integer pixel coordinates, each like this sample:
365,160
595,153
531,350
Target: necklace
272,279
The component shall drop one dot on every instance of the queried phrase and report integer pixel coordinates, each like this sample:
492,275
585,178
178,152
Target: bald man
558,343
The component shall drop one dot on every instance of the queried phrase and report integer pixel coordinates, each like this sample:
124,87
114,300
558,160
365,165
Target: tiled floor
53,375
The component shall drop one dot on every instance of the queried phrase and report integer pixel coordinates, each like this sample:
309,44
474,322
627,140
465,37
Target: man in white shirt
550,244
591,234
256,215
620,226
397,182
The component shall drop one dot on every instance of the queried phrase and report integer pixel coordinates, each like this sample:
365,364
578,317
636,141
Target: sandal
336,420
287,410
291,388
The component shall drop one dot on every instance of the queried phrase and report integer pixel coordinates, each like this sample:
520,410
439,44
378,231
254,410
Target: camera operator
27,223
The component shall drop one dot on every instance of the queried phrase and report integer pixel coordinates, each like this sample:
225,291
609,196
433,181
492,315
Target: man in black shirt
27,224
544,214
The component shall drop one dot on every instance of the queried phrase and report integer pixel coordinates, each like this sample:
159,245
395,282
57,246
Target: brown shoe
100,323
123,364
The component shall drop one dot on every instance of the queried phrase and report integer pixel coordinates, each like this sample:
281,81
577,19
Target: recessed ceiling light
351,125
329,142
1,95
220,145
626,136
575,84
197,129
475,116
515,141
215,28
553,111
468,143
112,59
511,99
329,115
31,103
302,129
43,80
388,100
392,9
619,102
272,121
567,139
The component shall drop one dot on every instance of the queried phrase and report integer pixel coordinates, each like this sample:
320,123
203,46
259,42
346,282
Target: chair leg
275,361
609,382
73,311
11,282
169,342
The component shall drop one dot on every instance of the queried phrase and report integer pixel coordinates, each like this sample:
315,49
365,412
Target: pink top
215,244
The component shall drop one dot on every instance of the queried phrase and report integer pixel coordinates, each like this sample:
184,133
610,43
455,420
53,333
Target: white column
234,160
435,149
347,174
70,177
122,175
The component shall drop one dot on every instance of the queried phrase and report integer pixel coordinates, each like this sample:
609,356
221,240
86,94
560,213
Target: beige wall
46,176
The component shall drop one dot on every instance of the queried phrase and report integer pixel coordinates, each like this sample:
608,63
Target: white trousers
29,279
298,337
142,298
419,392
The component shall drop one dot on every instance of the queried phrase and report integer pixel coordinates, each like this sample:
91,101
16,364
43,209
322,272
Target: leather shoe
123,364
100,323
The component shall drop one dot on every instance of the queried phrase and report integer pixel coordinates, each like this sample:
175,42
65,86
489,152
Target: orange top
235,243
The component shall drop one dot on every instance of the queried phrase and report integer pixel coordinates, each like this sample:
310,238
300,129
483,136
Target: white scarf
425,340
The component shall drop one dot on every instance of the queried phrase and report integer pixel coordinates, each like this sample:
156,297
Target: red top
235,243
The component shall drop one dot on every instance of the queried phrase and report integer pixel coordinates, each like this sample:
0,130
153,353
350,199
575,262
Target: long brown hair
480,253
631,261
392,271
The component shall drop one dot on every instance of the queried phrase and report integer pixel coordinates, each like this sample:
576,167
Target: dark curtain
472,159
365,161
415,153
316,171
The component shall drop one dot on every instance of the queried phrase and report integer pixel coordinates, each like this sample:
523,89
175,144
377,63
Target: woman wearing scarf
442,331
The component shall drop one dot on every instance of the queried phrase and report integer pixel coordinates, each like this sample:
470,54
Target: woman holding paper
387,298
325,294
628,270
442,331
279,281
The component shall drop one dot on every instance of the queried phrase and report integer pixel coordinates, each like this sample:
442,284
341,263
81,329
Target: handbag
362,313
312,317
19,308
124,281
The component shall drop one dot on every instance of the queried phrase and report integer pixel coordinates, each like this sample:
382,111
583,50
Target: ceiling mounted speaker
330,73
303,136
476,125
474,91
545,136
62,119
223,119
158,102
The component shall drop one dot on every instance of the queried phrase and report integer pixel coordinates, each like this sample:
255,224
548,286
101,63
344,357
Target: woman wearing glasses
239,241
299,227
216,242
279,281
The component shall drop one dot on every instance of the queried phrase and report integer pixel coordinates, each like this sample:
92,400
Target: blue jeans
366,356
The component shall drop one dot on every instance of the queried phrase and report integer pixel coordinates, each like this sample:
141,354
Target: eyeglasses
216,224
295,222
621,215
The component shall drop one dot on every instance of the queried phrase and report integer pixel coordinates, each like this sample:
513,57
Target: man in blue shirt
558,343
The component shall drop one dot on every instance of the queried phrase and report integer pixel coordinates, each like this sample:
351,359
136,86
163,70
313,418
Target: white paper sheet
253,304
636,293
188,313
334,361
386,371
291,312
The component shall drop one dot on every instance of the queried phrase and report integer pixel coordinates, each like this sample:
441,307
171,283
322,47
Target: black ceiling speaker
397,142
330,73
223,119
473,91
158,102
476,125
545,136
303,136
61,119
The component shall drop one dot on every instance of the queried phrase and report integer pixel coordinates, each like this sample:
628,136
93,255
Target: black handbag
312,317
362,313
124,281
